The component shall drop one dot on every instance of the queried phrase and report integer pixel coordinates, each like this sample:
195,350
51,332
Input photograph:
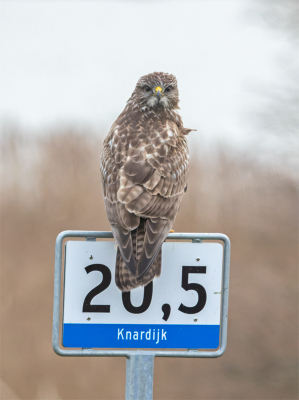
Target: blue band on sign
141,336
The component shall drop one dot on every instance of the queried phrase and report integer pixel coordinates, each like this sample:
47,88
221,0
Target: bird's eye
147,89
168,89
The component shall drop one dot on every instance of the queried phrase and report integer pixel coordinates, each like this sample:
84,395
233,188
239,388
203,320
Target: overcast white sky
64,61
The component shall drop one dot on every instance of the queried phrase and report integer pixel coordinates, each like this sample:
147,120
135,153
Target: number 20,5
148,292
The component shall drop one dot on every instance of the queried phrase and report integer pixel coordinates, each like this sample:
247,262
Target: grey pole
139,376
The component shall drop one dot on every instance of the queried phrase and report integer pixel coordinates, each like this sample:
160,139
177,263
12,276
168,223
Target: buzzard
144,170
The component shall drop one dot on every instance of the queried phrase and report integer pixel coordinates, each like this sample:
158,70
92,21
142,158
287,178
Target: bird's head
157,91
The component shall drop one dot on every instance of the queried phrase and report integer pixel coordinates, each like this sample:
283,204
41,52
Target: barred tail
124,279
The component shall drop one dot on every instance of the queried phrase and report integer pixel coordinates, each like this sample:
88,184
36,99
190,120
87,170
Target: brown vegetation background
51,183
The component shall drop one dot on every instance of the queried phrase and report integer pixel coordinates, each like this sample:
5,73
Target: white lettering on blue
143,335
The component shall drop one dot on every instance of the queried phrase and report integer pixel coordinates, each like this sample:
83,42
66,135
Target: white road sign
178,310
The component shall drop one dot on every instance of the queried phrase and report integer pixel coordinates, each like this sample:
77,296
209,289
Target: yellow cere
158,88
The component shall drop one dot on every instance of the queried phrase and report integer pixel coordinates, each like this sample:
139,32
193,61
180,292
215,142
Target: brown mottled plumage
144,168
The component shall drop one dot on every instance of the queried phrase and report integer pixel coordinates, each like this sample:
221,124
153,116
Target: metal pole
139,376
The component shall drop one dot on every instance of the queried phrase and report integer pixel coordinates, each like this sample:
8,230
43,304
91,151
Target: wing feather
144,169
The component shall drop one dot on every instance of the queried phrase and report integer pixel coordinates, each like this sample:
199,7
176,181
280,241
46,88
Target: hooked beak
159,93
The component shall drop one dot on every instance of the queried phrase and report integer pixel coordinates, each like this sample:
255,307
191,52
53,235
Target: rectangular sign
178,310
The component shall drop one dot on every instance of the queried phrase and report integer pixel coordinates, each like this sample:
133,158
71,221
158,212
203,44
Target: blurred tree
278,117
282,15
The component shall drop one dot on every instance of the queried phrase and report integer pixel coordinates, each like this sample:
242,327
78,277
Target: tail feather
124,279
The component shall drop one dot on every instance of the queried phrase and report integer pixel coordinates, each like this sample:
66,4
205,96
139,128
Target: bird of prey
144,170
